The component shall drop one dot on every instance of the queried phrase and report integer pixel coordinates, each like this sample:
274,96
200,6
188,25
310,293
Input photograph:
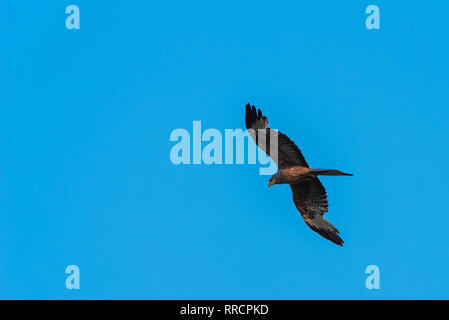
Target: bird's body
292,175
296,174
309,195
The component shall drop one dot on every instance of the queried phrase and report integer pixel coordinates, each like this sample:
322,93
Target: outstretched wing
288,153
311,200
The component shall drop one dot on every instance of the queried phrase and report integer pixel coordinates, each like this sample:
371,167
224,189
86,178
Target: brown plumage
309,194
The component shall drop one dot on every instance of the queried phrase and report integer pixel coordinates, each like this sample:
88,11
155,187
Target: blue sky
85,171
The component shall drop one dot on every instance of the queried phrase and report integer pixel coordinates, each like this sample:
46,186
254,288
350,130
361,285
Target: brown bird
309,194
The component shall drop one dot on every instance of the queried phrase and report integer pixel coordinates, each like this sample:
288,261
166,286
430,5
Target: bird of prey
309,194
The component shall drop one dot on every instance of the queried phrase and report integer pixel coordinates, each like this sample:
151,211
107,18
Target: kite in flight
309,194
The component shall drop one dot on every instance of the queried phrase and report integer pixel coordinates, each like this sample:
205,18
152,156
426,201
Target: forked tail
328,172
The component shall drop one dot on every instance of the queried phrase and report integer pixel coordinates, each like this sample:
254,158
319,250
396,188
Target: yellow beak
270,183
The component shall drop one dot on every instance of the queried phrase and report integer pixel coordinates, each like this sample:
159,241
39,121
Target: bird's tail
328,172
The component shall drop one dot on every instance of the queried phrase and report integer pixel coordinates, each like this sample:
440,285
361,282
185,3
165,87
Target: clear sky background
85,171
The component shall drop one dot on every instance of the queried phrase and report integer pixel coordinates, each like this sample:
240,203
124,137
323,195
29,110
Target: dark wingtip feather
248,116
333,236
251,115
329,235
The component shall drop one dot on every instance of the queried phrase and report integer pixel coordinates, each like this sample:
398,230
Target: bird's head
272,181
